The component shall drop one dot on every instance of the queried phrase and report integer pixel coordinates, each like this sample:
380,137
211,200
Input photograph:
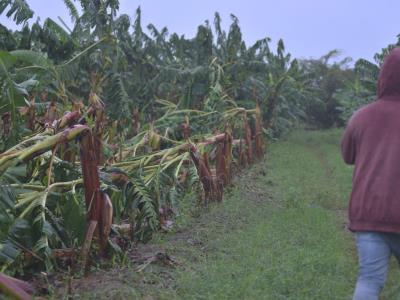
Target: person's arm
348,144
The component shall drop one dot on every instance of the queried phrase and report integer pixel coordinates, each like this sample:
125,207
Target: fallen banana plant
69,204
43,143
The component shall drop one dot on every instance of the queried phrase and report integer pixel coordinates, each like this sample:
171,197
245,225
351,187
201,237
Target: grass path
291,243
279,234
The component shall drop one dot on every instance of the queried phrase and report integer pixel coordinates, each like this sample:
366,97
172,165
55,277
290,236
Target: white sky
310,28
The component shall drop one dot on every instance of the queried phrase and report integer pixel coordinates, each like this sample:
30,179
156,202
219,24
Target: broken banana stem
40,147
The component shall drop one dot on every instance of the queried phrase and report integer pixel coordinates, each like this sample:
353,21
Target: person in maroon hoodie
371,142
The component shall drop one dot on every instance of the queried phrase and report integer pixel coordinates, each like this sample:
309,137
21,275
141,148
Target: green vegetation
110,134
292,243
105,123
280,236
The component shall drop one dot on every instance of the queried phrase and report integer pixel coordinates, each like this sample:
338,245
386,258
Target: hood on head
389,76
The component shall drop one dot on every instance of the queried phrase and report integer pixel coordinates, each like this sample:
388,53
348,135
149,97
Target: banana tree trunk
204,173
96,110
31,115
224,158
247,138
135,122
96,201
6,119
186,128
259,133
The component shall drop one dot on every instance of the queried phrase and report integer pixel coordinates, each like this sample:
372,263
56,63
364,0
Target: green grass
279,234
290,246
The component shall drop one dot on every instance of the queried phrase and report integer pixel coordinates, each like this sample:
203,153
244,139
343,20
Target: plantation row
130,191
107,131
138,185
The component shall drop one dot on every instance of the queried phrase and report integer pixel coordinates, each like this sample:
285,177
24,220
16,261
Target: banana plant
13,94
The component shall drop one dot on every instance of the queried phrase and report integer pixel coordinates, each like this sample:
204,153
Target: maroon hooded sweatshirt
371,141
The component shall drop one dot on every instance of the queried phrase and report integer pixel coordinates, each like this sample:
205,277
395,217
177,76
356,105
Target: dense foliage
155,104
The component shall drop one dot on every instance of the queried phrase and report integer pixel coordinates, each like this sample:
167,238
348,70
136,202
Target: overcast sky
309,28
